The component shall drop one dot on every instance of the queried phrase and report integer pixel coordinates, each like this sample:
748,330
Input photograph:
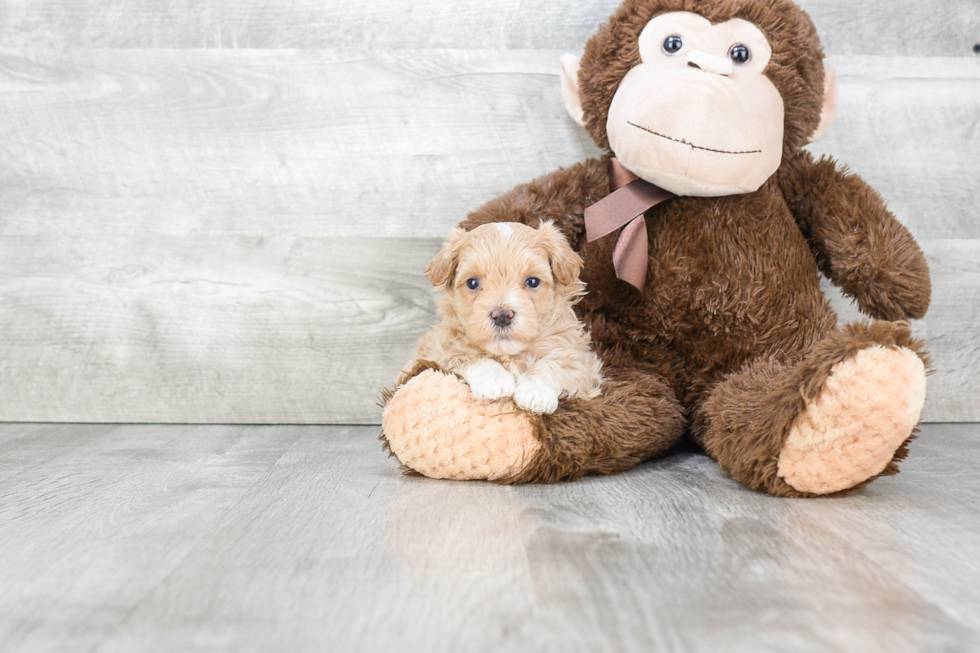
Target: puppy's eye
532,282
673,44
740,54
473,284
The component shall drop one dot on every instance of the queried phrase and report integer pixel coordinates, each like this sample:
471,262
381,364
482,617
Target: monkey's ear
831,102
443,266
565,263
570,65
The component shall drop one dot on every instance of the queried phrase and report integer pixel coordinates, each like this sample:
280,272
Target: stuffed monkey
703,233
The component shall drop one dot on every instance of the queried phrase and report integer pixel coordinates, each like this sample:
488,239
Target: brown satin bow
624,207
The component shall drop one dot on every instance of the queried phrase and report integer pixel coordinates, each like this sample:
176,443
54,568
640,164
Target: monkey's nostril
693,65
502,317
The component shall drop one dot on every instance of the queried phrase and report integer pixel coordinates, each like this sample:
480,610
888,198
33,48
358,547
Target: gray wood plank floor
244,538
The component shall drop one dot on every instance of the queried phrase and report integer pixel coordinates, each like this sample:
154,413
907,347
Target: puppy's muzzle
502,317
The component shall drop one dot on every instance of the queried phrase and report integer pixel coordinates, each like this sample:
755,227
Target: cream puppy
507,326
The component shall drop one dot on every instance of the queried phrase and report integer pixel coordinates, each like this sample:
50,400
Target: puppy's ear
565,264
443,266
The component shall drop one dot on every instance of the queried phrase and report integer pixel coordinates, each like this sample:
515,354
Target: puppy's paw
489,380
536,395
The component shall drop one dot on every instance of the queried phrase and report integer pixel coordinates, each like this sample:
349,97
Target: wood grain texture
903,27
206,329
399,144
182,538
237,236
324,143
93,517
289,330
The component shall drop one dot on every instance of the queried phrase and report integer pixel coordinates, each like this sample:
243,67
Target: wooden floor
213,538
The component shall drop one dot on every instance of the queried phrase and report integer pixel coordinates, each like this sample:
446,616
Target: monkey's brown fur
732,335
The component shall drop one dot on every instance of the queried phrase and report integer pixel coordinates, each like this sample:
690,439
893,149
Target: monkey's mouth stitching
696,147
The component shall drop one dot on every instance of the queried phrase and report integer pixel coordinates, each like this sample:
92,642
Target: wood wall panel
243,329
277,329
398,144
195,233
899,27
253,142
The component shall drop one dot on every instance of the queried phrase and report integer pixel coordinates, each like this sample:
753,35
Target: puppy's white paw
536,395
489,380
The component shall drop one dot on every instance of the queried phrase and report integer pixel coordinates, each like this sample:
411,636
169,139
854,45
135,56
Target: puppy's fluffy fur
507,326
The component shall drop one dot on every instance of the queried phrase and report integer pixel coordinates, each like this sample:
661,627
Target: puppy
507,326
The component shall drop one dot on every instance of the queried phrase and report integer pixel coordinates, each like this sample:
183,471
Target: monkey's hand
859,244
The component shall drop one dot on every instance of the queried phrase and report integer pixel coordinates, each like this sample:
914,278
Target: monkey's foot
869,406
434,426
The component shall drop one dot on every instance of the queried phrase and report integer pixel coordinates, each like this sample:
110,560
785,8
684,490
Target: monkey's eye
673,44
532,282
739,54
473,284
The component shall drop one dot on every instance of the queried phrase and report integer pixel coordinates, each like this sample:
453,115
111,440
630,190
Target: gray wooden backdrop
218,211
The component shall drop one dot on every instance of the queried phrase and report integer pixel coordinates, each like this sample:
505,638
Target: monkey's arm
859,244
561,196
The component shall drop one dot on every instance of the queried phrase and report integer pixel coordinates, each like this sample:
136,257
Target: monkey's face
692,104
697,116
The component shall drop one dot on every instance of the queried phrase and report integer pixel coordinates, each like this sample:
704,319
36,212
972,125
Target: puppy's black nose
502,317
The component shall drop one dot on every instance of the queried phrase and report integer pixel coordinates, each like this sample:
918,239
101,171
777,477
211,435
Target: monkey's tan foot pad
434,426
849,433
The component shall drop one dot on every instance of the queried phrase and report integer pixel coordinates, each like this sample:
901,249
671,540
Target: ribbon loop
621,207
624,209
